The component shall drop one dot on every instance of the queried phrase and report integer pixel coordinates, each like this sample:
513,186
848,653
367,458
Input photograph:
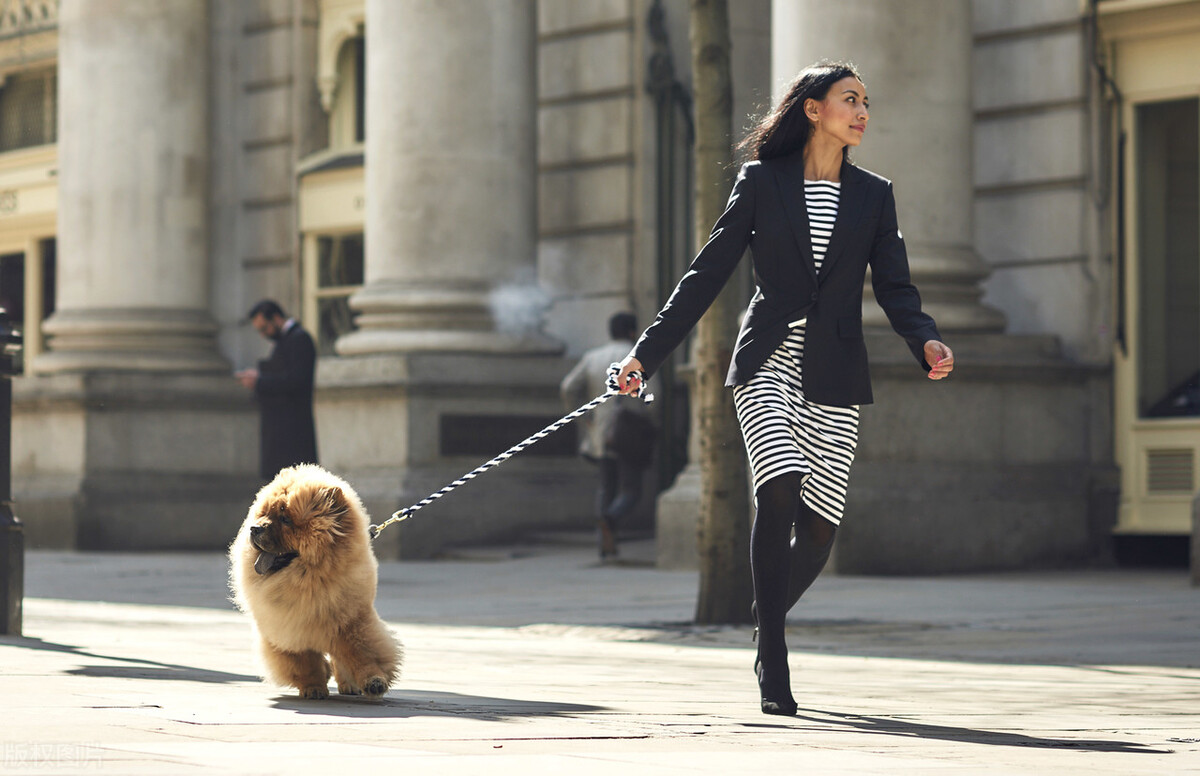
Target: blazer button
814,296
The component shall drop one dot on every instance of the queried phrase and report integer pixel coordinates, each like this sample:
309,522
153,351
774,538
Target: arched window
347,116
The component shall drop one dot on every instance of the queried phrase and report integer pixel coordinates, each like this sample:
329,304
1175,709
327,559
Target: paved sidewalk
536,659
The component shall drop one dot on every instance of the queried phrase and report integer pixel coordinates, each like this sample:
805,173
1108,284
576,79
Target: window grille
28,110
1170,470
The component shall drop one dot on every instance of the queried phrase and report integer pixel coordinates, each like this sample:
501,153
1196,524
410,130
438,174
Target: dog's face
301,521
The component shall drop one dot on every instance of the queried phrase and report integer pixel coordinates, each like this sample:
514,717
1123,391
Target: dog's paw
314,693
375,687
348,689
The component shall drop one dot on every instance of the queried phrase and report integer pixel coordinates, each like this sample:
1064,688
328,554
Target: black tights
783,571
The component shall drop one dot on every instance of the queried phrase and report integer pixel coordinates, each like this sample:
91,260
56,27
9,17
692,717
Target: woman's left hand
940,359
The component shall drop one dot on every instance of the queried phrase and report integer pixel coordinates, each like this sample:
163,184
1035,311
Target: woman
814,222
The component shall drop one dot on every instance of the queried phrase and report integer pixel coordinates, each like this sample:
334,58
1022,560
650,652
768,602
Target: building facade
454,196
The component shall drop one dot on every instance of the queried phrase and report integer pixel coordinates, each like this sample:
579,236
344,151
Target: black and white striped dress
785,432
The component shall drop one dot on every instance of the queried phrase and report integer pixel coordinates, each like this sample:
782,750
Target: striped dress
784,432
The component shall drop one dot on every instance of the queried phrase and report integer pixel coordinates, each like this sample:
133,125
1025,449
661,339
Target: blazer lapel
850,208
789,176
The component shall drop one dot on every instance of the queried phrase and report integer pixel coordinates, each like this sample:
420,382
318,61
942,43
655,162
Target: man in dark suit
283,386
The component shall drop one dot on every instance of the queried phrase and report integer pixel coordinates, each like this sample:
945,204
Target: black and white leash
613,390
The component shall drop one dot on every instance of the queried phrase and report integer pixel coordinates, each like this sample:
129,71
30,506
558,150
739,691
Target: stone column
34,307
133,178
915,58
129,431
447,367
451,178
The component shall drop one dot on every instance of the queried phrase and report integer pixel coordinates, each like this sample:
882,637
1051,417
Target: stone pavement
536,659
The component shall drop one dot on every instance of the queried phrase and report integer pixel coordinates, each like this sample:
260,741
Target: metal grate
28,110
1170,470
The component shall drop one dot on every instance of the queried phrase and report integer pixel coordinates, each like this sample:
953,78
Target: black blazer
767,213
285,397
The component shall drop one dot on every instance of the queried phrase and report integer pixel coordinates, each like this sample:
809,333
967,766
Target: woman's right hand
629,365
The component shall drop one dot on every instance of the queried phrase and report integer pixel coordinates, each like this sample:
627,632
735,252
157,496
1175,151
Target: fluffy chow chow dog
303,568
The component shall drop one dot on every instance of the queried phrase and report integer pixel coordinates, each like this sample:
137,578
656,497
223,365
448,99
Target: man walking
283,386
618,435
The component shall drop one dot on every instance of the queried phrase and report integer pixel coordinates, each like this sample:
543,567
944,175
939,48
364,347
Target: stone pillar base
133,460
949,280
1004,465
677,522
990,469
399,427
982,518
133,339
413,317
368,342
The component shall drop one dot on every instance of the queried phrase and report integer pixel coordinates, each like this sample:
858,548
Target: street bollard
12,536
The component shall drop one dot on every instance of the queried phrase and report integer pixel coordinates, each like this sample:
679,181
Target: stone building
454,196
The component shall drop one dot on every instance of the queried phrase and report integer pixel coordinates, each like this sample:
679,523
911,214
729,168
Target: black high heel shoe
774,700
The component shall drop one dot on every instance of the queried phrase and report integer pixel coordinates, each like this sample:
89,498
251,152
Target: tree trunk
726,589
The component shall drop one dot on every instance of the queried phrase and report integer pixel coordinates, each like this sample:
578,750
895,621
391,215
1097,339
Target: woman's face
842,114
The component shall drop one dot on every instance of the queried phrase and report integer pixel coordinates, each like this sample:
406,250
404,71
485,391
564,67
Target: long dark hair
786,129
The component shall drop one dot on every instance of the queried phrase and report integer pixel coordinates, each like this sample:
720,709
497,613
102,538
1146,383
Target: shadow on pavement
139,668
963,642
1083,618
898,727
416,703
